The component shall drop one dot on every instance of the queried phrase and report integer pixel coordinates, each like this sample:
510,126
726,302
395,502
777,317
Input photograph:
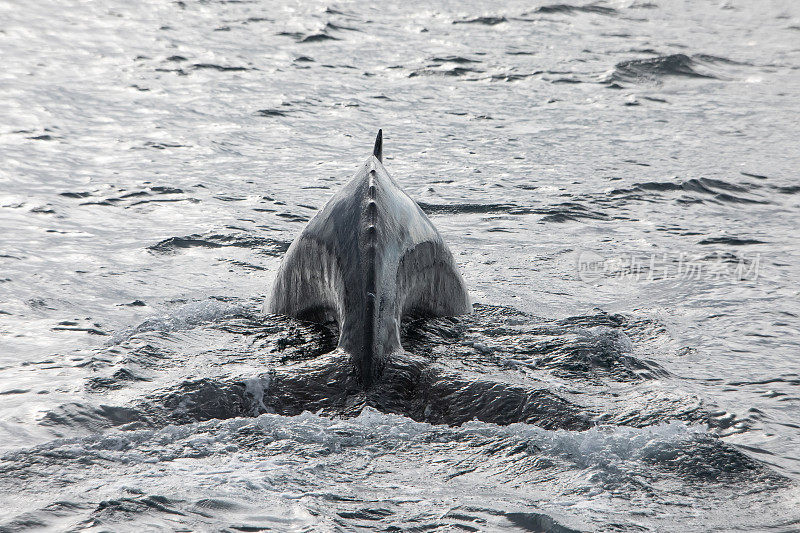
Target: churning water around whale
617,181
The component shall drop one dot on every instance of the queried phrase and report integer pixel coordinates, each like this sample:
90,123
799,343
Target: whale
368,259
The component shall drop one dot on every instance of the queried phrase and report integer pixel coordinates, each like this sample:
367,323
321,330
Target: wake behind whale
370,257
377,293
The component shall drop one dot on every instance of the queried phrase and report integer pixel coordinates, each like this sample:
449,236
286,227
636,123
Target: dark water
617,181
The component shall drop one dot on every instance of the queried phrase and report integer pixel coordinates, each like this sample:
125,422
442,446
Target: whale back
368,258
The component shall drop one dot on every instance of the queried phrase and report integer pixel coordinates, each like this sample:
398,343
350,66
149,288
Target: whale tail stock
368,258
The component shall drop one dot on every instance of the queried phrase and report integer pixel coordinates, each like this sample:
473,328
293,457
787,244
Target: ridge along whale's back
367,259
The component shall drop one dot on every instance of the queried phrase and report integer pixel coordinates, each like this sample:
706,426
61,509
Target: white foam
606,335
591,447
257,387
185,317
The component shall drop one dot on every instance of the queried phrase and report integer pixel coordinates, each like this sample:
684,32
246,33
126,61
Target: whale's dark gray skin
367,259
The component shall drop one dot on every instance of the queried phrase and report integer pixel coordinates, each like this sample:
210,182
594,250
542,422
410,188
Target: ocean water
618,184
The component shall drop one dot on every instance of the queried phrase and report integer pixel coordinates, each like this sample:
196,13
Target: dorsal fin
378,150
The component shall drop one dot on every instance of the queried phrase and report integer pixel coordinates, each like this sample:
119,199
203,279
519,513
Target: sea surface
618,182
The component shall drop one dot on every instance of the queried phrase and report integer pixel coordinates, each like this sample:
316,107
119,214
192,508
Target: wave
562,212
718,190
568,8
263,245
655,69
487,21
455,71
